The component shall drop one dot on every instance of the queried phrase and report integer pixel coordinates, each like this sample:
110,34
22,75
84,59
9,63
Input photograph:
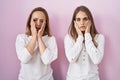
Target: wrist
80,34
87,31
34,37
40,38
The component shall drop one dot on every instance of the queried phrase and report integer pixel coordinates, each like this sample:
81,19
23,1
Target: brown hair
72,30
47,27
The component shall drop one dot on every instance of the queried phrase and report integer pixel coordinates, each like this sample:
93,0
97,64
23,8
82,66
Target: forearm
42,45
72,49
95,53
31,45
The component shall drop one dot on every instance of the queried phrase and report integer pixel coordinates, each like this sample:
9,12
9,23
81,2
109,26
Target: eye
35,20
77,19
85,18
41,20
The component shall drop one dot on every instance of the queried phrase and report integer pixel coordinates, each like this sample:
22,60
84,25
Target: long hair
72,31
47,27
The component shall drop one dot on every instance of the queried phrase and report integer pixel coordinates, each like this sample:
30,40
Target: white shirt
84,57
36,67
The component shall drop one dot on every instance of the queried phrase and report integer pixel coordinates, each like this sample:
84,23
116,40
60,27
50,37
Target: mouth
37,29
82,28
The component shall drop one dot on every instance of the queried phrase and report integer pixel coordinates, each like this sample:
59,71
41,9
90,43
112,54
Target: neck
83,32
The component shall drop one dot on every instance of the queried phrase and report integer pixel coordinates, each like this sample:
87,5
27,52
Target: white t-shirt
36,67
84,57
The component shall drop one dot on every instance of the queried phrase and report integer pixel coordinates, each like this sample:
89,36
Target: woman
37,48
84,47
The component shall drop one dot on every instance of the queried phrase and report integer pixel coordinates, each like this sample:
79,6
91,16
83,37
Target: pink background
13,17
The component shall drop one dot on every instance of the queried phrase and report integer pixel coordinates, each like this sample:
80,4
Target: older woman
37,48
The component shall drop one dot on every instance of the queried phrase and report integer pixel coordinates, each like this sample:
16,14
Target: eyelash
41,20
84,19
34,20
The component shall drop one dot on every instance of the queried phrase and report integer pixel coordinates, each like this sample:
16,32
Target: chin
82,30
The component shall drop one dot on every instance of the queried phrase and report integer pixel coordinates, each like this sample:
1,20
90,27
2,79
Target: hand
88,27
33,29
41,31
77,28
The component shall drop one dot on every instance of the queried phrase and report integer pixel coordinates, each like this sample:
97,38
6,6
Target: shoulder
47,38
68,38
22,36
99,37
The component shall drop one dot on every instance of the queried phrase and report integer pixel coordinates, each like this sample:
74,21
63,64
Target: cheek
78,23
86,24
31,22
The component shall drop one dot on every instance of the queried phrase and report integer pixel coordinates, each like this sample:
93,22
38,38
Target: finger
32,22
89,24
43,26
33,27
41,31
88,27
75,24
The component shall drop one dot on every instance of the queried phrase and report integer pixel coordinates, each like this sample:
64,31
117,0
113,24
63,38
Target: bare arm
41,44
31,45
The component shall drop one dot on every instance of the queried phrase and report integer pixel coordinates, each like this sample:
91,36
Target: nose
81,22
38,22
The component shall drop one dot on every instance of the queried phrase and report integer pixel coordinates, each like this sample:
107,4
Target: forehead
81,14
38,14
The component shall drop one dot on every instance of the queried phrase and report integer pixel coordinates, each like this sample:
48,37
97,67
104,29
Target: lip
82,27
37,28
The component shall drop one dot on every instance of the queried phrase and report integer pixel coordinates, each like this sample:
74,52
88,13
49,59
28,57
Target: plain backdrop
13,18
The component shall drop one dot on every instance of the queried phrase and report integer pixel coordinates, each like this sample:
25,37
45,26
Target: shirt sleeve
22,53
72,49
51,52
95,53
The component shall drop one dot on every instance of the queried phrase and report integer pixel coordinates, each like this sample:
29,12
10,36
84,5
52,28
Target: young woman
37,48
84,47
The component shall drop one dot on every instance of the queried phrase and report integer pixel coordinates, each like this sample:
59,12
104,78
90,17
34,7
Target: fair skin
82,23
38,22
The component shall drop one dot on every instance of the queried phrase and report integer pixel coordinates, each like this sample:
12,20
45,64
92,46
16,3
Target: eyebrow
38,18
82,18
